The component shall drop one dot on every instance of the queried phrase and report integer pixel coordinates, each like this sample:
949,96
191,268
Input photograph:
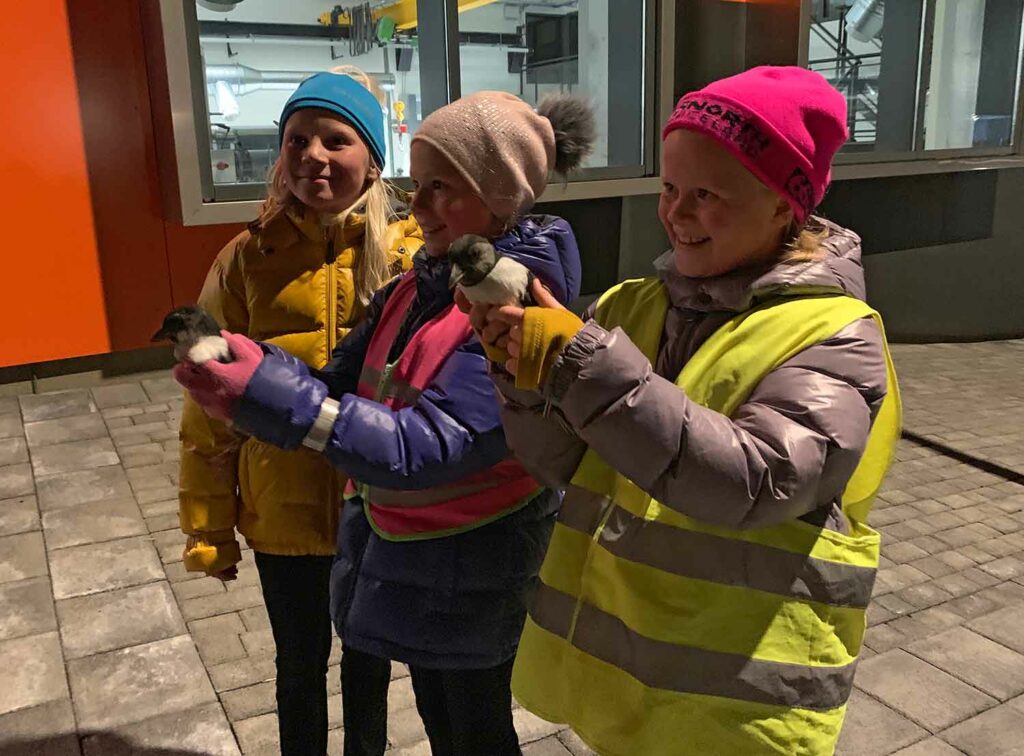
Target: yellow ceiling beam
404,12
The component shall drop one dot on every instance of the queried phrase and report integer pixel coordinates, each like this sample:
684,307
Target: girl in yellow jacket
299,277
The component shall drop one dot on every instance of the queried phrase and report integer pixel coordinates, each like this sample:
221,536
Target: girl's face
718,215
444,204
327,166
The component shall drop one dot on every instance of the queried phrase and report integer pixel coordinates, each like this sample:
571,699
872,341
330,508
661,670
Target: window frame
201,202
870,164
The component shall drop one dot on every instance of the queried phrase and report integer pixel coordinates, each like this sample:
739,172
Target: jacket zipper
332,297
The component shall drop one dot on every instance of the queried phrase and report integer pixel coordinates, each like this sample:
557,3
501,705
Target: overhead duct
219,6
864,19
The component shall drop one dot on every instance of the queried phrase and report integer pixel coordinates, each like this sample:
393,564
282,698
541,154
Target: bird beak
160,335
456,277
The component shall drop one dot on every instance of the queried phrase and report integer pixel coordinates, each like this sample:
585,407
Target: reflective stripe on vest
659,634
441,510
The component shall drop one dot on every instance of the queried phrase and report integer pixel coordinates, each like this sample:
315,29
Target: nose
419,199
682,206
314,152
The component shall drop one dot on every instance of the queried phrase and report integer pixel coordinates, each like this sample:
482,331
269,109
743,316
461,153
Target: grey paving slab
258,734
138,683
201,730
33,671
48,729
56,404
93,568
162,389
873,729
13,451
73,456
9,406
118,395
10,426
974,659
27,608
530,727
19,515
996,732
898,679
16,480
74,488
92,522
62,430
22,556
117,619
549,746
1005,626
929,747
239,674
252,701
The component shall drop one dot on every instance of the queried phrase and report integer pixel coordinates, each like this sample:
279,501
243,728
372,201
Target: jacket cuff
572,359
280,403
545,333
211,552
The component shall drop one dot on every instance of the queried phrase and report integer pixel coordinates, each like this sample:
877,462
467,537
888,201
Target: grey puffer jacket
786,453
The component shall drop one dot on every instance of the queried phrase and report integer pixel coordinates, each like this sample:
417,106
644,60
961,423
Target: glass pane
255,55
846,47
870,50
972,89
593,48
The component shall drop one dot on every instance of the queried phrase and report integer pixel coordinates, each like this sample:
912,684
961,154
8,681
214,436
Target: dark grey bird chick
487,276
195,335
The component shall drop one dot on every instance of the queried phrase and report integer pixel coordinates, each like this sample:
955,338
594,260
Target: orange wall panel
190,252
51,295
110,65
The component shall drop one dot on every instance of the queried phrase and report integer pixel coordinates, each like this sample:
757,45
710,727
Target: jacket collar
838,271
296,224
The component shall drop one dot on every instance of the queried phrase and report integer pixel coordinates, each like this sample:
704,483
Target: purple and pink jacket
451,602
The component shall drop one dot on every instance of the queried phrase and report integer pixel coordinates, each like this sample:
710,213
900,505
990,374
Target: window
245,57
922,78
593,48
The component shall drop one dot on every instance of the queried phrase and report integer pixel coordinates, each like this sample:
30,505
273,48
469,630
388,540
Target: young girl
721,429
300,277
443,534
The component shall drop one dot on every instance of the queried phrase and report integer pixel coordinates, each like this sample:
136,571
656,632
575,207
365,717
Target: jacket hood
838,270
547,246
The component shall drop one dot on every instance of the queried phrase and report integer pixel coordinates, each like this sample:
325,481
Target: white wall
956,63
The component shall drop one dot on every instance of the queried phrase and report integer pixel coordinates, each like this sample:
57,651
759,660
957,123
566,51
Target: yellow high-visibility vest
655,634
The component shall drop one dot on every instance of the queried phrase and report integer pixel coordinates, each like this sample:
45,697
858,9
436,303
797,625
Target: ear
784,214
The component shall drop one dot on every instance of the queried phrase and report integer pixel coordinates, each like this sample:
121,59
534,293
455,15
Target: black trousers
296,590
466,712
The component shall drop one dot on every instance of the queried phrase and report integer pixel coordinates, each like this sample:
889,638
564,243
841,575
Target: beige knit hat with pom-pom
505,149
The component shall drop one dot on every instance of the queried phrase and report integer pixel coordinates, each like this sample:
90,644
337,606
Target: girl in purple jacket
442,536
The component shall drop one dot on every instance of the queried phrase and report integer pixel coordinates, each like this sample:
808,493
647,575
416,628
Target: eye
703,194
667,188
296,140
436,185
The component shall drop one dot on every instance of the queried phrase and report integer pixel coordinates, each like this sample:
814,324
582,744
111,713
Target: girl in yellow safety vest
720,429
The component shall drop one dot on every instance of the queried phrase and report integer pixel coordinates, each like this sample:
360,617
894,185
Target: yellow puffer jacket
274,283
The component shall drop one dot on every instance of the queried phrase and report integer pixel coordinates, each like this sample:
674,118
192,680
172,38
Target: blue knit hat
348,98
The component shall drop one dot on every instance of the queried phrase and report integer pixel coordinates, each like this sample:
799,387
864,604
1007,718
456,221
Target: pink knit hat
785,124
505,149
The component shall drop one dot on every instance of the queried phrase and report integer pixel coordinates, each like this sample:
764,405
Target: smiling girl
299,277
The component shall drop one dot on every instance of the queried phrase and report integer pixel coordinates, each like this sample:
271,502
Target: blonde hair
371,269
804,243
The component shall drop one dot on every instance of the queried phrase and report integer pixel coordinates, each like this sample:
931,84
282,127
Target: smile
433,230
693,240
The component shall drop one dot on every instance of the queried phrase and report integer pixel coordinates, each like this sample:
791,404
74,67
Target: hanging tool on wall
398,107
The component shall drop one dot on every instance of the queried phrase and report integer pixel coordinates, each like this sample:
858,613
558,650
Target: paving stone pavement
110,647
